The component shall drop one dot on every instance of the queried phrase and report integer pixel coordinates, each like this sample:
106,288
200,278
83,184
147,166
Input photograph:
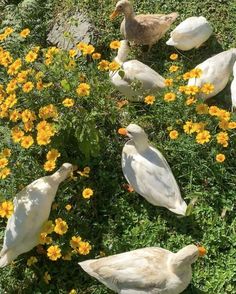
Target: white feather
148,270
233,88
147,171
190,33
31,209
215,70
134,70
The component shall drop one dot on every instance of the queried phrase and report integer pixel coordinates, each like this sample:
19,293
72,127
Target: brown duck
143,29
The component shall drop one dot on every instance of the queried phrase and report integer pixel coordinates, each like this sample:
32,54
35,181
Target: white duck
147,171
190,33
233,88
215,70
31,209
145,271
134,70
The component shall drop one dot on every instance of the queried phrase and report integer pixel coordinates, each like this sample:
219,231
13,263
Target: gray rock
68,30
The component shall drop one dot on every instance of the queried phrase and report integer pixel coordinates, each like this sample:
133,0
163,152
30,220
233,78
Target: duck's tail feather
7,258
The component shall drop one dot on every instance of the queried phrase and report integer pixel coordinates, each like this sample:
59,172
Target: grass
115,221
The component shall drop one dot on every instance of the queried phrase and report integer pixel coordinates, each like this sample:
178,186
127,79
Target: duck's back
147,29
138,270
150,176
216,70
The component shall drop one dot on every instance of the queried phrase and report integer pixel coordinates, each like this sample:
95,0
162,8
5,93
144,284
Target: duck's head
186,256
64,172
122,6
137,134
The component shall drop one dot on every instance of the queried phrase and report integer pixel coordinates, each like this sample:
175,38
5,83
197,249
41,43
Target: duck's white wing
136,270
136,70
30,212
189,28
233,88
150,176
216,70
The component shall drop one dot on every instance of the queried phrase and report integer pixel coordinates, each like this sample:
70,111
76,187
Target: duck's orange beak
202,251
114,14
122,131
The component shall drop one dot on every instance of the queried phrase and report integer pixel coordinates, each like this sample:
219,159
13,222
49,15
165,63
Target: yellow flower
202,108
68,207
4,173
173,68
115,44
83,89
72,53
26,141
3,162
222,138
31,57
85,172
24,33
48,111
207,88
8,31
190,100
32,260
223,114
87,193
220,157
54,252
174,56
75,241
96,56
187,75
169,97
88,50
44,239
81,46
168,82
114,66
203,137
48,227
196,73
191,90
232,125
6,152
149,99
214,110
103,65
6,209
84,248
27,87
49,165
68,102
224,124
47,278
174,135
28,126
53,154
182,88
61,226
28,115
73,291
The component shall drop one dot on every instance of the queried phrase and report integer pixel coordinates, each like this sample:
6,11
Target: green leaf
65,85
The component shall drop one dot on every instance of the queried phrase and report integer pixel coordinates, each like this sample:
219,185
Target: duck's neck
58,177
122,53
129,13
141,145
